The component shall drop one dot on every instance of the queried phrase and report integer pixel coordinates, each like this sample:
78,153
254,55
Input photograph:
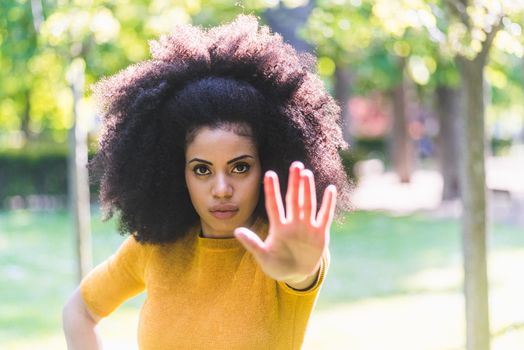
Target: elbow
79,324
75,313
69,315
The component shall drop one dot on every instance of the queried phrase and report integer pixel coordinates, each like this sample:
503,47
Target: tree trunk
342,94
26,116
287,21
401,143
38,14
447,101
78,175
473,193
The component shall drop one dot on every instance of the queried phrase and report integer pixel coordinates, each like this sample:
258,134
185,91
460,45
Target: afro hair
238,72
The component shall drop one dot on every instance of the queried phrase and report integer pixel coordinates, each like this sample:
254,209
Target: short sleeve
324,264
117,279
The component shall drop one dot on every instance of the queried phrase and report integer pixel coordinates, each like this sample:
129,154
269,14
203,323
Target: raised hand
298,236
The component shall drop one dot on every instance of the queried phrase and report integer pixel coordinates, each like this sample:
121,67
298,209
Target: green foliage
504,74
35,96
365,148
349,159
500,147
34,170
379,39
371,147
42,168
17,46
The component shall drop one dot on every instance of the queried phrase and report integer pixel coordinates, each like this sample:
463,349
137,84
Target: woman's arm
79,324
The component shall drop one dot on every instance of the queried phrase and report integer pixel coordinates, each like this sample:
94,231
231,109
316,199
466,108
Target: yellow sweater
202,293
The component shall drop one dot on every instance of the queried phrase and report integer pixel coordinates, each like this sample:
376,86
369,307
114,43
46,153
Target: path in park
381,190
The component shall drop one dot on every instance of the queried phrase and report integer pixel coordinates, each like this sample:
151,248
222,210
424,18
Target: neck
207,233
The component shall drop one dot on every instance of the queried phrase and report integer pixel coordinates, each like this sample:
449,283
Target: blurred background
432,104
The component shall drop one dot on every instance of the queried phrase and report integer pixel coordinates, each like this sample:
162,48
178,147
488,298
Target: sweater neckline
218,243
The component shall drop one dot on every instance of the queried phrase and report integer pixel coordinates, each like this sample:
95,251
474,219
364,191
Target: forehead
220,141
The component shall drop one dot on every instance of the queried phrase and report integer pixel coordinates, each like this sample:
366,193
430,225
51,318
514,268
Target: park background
432,103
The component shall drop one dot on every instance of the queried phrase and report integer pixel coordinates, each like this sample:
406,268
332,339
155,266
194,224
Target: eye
201,170
241,168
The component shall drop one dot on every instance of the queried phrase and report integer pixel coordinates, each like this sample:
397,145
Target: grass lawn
394,283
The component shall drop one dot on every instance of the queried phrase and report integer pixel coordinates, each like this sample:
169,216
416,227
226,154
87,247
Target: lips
223,211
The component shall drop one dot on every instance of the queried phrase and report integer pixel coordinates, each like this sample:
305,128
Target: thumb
251,242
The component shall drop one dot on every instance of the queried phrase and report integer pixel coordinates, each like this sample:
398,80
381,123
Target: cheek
255,188
192,188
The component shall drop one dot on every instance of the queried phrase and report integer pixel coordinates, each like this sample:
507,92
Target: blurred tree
472,28
421,36
377,42
17,46
35,96
71,31
404,107
411,24
90,42
390,50
444,85
447,106
287,19
335,30
504,75
289,22
467,30
85,40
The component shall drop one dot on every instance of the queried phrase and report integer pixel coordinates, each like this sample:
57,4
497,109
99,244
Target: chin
227,225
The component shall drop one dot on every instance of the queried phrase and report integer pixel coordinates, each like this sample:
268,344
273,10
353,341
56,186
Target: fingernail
297,164
270,173
307,172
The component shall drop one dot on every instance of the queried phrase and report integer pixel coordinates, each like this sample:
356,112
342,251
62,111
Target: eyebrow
228,162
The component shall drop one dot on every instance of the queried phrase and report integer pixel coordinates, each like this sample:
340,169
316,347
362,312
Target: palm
297,235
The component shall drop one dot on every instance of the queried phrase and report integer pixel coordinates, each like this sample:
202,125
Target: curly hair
234,73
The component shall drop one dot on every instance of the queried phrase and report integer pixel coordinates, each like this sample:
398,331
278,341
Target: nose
222,188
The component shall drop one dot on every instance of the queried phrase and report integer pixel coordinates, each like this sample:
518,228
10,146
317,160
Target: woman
189,140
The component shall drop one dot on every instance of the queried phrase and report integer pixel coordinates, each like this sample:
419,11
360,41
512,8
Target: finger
293,188
310,198
251,242
327,208
274,205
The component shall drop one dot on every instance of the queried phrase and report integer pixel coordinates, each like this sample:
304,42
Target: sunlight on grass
431,319
418,322
394,283
436,279
506,292
51,342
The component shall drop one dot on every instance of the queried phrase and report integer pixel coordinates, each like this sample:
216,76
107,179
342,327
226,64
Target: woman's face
223,176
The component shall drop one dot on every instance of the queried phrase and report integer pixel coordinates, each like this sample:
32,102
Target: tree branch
486,45
458,8
512,327
38,14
